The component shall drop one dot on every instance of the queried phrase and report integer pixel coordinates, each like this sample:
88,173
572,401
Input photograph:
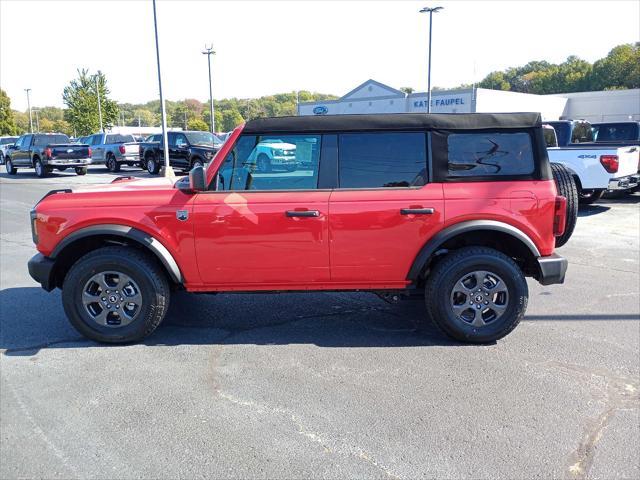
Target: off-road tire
11,170
587,197
112,164
566,186
445,275
143,269
81,170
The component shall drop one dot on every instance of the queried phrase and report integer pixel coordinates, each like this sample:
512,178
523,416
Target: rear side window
486,154
382,160
581,133
118,138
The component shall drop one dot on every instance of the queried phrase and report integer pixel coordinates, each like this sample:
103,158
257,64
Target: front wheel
587,197
476,295
11,170
115,295
81,170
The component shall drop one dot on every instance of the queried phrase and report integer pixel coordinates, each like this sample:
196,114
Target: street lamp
208,51
99,103
168,171
29,105
430,11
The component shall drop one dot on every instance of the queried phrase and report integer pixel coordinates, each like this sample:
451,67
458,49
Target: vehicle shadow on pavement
32,320
589,210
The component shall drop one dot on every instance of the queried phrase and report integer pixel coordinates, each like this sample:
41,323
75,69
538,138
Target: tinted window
581,133
374,160
285,162
8,140
611,132
43,140
562,131
117,138
94,139
202,138
26,141
181,140
482,154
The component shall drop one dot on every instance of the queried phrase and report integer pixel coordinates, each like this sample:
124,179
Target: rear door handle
417,211
302,213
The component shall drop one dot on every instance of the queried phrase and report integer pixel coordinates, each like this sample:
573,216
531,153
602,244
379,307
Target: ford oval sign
320,110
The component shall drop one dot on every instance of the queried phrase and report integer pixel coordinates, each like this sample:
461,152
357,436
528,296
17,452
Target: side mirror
197,179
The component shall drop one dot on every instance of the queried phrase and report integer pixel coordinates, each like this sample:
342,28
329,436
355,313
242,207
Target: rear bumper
75,162
41,270
551,269
624,183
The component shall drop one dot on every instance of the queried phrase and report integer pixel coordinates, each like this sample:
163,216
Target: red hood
127,184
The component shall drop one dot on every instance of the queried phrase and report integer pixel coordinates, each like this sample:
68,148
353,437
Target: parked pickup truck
45,152
596,167
186,150
114,150
5,143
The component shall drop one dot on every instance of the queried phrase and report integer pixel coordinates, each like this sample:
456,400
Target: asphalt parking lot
329,384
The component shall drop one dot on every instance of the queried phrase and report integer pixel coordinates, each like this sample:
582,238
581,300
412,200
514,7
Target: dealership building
375,97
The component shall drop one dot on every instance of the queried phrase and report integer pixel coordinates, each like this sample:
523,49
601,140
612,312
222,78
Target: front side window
26,142
382,160
487,154
271,162
181,141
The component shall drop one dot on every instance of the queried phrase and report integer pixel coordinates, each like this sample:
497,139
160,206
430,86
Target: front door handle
417,211
302,213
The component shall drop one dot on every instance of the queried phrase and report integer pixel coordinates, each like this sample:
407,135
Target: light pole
29,106
99,102
168,171
35,110
208,51
430,11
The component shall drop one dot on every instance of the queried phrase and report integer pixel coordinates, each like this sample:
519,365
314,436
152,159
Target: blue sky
266,47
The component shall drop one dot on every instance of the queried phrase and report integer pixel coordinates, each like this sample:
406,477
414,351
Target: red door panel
247,240
372,242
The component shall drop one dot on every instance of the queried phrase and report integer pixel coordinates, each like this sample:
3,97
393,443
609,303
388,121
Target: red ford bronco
459,208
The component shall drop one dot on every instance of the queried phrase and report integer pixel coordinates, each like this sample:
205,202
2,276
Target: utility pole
168,171
185,120
99,102
430,11
37,120
29,106
208,51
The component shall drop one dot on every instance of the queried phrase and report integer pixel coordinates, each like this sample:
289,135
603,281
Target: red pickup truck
459,208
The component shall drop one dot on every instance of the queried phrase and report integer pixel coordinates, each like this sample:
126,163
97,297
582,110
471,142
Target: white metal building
375,97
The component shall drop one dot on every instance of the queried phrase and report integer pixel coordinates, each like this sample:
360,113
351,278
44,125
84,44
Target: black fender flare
463,227
151,243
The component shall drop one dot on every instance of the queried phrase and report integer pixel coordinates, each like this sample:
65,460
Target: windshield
5,141
612,132
202,138
42,140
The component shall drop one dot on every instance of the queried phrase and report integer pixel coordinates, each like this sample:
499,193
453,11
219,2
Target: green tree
7,120
81,99
230,120
407,90
197,124
619,69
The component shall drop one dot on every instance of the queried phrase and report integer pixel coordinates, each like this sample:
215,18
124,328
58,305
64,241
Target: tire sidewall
151,165
79,318
441,304
39,168
9,166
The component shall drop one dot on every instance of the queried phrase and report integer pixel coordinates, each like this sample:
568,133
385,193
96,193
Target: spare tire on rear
566,187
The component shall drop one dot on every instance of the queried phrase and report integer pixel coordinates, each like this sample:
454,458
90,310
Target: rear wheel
153,166
112,164
476,295
41,171
1,158
566,187
587,197
11,170
81,170
115,295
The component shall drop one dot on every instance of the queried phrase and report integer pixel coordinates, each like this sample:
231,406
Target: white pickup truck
596,167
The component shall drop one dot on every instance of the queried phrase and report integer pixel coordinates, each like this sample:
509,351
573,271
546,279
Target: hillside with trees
620,69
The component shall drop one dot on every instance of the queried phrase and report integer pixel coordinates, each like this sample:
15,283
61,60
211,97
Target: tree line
620,69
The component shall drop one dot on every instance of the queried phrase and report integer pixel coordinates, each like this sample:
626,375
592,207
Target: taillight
559,216
122,149
47,152
89,151
610,163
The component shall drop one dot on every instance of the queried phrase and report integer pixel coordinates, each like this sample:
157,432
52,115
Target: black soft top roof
393,121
